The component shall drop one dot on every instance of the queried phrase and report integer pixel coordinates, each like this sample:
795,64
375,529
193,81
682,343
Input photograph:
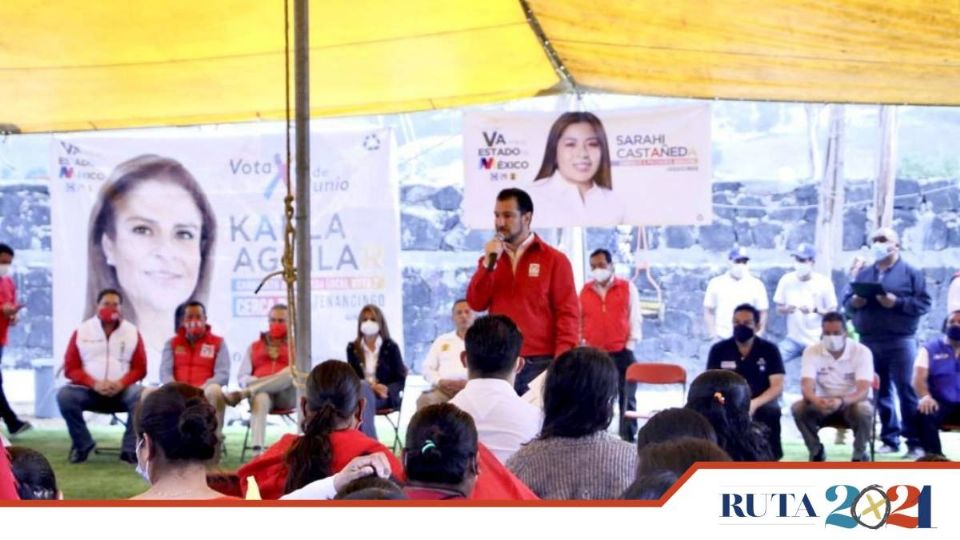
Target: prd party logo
873,507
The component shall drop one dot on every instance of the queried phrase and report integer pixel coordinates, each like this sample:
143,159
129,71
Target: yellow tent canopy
76,64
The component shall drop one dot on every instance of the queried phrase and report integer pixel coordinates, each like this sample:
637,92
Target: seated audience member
443,368
650,487
35,478
371,488
177,437
936,378
376,358
440,454
723,398
332,412
758,361
670,459
198,357
835,378
266,376
503,419
675,423
366,467
8,485
104,361
574,457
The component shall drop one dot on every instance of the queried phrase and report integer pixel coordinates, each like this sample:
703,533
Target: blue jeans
790,349
893,362
74,399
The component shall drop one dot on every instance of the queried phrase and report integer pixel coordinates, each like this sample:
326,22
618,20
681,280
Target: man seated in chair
442,367
835,378
105,360
198,357
266,376
936,378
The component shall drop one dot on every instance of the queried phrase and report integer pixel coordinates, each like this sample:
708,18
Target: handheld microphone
492,257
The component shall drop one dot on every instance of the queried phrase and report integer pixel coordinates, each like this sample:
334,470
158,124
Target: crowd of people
522,399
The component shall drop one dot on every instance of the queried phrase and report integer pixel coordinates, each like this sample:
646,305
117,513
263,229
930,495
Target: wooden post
829,231
886,168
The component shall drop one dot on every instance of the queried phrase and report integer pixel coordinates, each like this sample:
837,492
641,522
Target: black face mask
953,333
741,333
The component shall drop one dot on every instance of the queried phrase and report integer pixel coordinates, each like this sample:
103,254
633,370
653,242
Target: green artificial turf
104,476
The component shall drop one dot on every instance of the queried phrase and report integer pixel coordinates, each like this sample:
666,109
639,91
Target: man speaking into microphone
522,277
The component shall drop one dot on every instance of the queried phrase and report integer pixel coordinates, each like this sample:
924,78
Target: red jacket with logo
194,363
262,364
606,321
8,295
540,297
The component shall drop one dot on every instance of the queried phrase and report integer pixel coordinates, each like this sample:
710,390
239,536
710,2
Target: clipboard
867,289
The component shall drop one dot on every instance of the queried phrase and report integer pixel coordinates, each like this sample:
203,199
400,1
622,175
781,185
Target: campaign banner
605,168
188,215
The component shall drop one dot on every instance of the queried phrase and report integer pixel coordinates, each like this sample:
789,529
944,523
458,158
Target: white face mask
369,328
738,270
803,268
601,275
4,270
880,250
833,343
142,469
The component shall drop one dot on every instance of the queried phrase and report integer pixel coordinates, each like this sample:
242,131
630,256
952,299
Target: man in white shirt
504,420
803,296
835,376
443,368
727,291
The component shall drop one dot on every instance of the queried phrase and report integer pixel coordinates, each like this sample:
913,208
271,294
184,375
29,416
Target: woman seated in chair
177,437
723,397
376,358
332,412
440,454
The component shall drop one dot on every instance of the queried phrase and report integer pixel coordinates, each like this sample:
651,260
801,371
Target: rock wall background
764,198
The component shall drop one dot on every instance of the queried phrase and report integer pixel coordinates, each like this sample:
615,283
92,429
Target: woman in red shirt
332,412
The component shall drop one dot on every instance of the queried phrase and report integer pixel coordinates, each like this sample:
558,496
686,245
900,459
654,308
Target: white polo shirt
815,292
724,294
504,420
443,359
837,377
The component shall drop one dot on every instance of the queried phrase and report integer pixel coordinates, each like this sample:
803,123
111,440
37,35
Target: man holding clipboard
887,300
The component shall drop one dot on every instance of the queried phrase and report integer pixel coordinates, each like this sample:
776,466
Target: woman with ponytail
177,437
723,397
440,454
332,411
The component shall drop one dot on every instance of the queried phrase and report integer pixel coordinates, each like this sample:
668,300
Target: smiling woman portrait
574,184
151,235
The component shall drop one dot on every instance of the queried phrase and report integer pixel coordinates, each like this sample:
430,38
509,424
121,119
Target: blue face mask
880,250
953,333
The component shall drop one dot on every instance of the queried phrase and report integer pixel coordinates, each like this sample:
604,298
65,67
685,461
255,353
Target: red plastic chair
656,373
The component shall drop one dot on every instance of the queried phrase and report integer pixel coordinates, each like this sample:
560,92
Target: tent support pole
301,61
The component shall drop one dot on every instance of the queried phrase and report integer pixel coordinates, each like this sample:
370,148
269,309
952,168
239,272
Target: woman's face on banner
156,249
578,153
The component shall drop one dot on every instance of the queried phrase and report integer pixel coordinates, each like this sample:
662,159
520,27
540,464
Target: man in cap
887,323
727,291
803,296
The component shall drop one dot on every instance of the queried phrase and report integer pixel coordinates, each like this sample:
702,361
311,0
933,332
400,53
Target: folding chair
285,414
656,373
114,420
388,413
839,423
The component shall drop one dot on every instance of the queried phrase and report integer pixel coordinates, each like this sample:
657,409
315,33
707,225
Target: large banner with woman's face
642,167
190,216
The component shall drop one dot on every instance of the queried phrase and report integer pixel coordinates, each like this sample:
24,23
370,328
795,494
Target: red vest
193,364
263,364
606,321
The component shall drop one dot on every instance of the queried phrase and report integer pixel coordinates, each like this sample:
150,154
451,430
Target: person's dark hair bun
198,430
